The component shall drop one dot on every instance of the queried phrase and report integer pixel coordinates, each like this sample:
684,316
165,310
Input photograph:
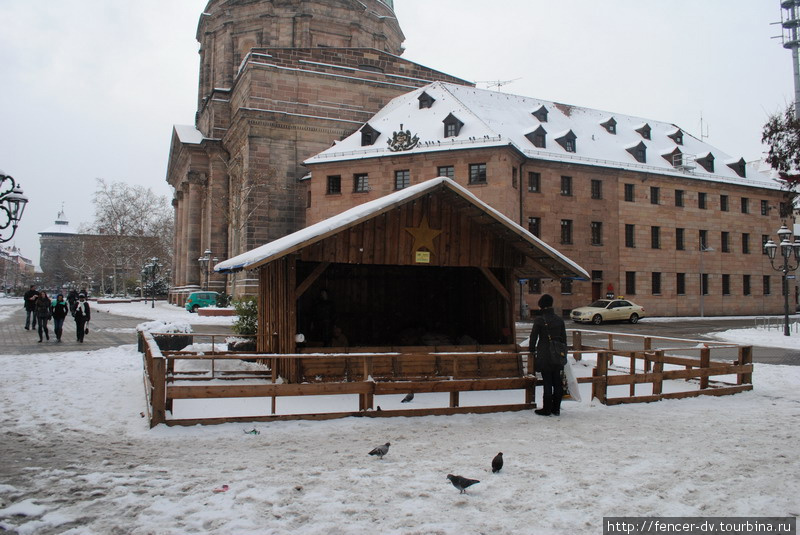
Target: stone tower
280,80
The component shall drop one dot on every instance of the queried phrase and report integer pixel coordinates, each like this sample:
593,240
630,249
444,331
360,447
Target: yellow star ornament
423,235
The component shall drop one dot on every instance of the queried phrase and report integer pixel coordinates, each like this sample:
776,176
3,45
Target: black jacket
43,308
60,310
30,305
83,312
548,322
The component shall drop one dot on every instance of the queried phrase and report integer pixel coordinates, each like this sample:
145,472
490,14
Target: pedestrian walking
548,327
29,302
44,311
82,316
60,311
72,299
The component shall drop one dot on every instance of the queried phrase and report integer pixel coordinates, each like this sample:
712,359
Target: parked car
608,310
200,300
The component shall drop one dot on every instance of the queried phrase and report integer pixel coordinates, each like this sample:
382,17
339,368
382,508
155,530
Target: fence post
745,358
610,348
159,396
600,373
705,360
454,399
577,344
634,355
648,345
658,369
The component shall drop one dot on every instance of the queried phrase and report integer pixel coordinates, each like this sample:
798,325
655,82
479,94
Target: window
677,137
534,182
541,114
726,284
704,284
725,239
680,244
745,243
655,237
703,235
446,170
361,183
630,236
680,283
630,282
477,173
535,226
723,203
701,200
567,141
566,286
334,185
566,186
644,130
745,284
534,286
764,207
655,193
764,240
402,179
425,100
655,284
629,192
597,233
767,286
745,205
706,162
538,137
610,125
597,189
514,177
452,126
679,197
368,135
566,231
639,152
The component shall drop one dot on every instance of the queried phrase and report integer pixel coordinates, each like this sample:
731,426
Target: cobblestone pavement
105,330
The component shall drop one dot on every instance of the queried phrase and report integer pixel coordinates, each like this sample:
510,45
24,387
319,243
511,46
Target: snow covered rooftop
319,231
494,119
61,226
188,134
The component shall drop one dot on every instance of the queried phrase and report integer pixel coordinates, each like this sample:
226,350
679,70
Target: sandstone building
280,81
650,211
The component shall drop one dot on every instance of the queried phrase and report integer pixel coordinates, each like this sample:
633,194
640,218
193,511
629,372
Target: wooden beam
502,290
306,284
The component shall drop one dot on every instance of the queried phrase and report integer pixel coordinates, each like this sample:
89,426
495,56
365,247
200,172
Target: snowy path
79,459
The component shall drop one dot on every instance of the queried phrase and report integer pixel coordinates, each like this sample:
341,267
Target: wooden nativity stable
426,270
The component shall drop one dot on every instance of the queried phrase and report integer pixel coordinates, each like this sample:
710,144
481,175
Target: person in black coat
60,311
72,299
44,312
548,323
82,316
29,302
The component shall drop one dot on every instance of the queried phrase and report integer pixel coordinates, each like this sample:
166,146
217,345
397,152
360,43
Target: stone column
176,248
193,222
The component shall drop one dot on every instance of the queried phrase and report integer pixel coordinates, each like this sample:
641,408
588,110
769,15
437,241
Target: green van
200,300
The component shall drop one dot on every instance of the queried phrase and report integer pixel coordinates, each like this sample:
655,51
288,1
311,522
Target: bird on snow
380,451
408,397
497,462
461,483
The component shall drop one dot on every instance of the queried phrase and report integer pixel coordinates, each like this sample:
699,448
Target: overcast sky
91,88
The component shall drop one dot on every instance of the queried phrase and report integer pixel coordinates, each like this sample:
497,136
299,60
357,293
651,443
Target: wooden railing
444,370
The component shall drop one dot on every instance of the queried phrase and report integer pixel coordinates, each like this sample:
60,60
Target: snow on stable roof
494,119
188,134
319,231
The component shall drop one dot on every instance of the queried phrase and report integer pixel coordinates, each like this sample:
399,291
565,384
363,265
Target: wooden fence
450,370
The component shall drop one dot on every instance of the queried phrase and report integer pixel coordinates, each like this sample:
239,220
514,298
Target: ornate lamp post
151,270
788,249
204,263
12,205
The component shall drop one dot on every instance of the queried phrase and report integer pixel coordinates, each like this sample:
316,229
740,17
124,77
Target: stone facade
279,82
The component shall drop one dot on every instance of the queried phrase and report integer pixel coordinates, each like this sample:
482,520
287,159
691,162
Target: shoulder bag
558,349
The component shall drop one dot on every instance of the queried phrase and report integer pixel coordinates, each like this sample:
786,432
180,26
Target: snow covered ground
163,311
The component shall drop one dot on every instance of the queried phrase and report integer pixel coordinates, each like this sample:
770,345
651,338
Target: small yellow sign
423,257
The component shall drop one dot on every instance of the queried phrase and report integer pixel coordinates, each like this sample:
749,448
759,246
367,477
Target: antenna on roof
496,83
703,129
790,24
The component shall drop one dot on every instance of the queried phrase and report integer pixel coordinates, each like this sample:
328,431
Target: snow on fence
347,382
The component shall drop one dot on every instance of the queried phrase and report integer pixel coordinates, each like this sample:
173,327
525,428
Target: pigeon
497,462
408,397
461,483
380,451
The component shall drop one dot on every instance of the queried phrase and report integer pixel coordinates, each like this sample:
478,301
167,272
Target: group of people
40,309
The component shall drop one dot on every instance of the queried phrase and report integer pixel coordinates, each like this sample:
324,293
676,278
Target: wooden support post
600,372
158,397
705,359
658,369
530,394
577,344
634,355
454,399
610,348
745,358
648,345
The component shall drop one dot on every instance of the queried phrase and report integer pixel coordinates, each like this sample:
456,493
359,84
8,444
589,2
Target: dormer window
452,126
677,136
538,137
674,157
639,152
738,167
644,130
368,135
425,100
706,162
610,126
567,141
541,114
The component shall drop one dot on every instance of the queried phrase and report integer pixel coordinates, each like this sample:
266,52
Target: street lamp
205,260
12,205
788,249
151,270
